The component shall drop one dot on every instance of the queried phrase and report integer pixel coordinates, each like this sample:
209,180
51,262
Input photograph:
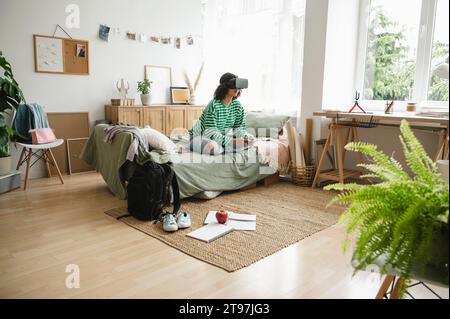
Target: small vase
146,99
192,99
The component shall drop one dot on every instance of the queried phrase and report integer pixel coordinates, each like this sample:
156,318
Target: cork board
67,125
61,55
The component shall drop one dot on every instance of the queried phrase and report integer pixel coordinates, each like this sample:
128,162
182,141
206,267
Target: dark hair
222,89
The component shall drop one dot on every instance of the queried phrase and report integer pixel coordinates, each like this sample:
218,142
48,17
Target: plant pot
436,269
5,165
437,265
146,99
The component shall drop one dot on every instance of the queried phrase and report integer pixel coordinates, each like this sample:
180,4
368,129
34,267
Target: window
438,87
391,49
261,40
403,50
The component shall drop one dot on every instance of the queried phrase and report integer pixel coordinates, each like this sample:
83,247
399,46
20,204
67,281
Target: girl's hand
240,141
211,147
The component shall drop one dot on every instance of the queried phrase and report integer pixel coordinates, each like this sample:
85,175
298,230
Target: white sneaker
169,223
184,220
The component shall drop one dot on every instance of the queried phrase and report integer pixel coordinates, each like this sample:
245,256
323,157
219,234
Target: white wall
340,56
109,61
313,63
20,19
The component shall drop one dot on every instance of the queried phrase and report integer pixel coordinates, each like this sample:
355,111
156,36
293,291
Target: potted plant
10,97
144,88
400,222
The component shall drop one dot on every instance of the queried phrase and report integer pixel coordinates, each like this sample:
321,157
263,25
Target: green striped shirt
220,123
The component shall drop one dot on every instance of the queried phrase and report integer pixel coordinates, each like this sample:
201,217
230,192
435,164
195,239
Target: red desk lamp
357,96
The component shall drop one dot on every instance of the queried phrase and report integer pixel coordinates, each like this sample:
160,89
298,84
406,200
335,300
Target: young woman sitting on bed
221,128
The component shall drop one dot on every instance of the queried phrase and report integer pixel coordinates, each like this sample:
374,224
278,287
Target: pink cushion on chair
42,136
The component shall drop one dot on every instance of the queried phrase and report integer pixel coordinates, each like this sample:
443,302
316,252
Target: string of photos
105,33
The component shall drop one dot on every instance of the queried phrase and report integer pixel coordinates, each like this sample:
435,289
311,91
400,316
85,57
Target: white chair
30,150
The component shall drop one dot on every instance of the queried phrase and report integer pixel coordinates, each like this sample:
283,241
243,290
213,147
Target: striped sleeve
210,128
240,126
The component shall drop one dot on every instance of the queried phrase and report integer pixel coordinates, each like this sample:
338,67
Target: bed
198,175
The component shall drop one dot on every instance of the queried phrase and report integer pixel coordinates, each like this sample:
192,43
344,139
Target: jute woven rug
285,215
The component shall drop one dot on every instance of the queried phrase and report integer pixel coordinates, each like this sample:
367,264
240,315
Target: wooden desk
341,121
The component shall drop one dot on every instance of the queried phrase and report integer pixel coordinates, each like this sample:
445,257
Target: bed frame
269,180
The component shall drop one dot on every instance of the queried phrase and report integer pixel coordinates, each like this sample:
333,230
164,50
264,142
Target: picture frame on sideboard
161,78
179,95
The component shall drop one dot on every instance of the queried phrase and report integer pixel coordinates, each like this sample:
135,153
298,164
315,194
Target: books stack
213,230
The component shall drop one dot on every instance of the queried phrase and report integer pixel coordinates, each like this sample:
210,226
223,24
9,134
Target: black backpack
150,189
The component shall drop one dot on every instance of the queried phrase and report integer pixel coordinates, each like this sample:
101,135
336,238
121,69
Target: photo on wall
178,43
103,32
131,36
166,40
81,50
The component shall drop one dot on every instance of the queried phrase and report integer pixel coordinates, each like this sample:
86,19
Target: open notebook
210,232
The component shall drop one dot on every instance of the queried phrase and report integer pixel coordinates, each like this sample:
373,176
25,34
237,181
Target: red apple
222,216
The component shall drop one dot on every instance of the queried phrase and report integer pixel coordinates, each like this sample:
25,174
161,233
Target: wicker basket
303,176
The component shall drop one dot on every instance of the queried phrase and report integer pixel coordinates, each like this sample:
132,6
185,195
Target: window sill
400,106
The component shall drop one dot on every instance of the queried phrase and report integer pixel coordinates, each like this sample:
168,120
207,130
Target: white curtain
261,40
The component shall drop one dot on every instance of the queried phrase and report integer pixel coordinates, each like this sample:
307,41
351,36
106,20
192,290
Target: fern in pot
400,223
10,97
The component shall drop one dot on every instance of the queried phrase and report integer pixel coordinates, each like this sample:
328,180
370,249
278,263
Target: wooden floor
49,226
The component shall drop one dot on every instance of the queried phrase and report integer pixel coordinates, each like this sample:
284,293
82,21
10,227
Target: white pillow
158,141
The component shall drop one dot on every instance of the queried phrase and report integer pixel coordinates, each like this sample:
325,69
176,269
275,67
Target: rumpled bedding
196,173
274,152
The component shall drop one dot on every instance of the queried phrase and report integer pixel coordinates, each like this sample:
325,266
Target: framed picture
60,55
161,78
179,95
74,148
48,54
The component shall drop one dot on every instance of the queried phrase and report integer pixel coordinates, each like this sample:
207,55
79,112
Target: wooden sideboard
163,118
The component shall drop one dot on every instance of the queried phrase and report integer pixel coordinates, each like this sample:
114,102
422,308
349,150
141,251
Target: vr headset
237,83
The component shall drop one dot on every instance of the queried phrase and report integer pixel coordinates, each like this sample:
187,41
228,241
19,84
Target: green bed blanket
195,173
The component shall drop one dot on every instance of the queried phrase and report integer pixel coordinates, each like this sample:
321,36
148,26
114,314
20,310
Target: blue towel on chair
29,117
40,117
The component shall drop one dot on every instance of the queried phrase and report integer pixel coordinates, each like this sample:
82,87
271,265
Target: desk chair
30,150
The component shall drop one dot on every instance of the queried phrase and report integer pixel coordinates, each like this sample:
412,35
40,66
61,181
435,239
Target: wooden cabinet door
176,118
130,115
192,115
112,114
154,117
